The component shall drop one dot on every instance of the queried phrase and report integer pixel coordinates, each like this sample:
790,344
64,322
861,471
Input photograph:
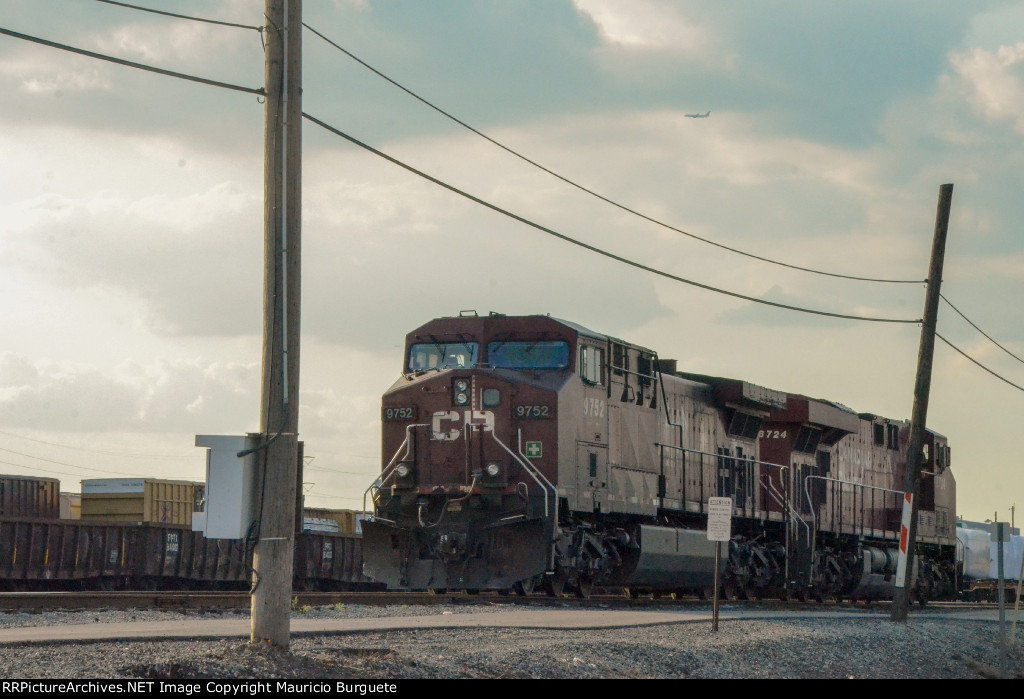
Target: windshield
442,355
528,355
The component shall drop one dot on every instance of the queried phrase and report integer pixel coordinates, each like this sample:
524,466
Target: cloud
167,396
194,260
645,25
994,81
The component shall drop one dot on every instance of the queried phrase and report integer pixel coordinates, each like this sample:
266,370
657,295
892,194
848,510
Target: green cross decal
533,450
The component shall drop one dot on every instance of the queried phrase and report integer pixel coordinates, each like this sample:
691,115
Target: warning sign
719,519
901,559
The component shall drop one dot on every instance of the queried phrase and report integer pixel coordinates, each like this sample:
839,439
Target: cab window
528,355
442,355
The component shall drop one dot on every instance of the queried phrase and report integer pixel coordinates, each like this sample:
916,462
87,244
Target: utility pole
922,386
279,401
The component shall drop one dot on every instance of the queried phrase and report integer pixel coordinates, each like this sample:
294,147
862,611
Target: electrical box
230,478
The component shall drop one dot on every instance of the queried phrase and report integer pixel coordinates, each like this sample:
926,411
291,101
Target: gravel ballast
871,647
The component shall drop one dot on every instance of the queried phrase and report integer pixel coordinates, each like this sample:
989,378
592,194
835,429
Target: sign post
719,530
1001,535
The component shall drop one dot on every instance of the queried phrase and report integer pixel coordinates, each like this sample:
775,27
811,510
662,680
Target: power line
593,193
587,246
322,469
333,496
64,463
980,330
41,470
99,451
131,64
1004,380
172,14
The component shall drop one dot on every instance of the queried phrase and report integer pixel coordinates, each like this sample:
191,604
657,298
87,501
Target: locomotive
525,452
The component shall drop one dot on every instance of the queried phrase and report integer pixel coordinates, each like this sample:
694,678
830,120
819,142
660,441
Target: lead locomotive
525,451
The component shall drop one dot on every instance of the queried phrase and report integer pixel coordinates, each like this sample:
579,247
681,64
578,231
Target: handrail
780,498
554,491
555,532
526,468
708,453
807,492
388,470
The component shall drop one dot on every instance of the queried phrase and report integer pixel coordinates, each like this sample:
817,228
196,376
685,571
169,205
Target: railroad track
212,601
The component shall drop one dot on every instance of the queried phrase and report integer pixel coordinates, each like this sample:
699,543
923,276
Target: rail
389,470
774,493
838,506
526,468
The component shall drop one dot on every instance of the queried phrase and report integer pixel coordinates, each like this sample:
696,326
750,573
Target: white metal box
229,486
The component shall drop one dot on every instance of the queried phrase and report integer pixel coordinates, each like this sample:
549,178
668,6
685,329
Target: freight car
526,451
978,562
51,554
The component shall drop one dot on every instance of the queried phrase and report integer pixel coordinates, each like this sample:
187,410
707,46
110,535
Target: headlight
460,387
493,469
403,470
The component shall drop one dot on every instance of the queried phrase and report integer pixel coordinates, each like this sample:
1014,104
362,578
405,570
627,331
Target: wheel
554,584
584,587
524,588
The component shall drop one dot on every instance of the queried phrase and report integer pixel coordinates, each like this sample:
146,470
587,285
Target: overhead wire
593,248
132,64
98,451
972,324
591,192
173,14
40,470
64,463
975,361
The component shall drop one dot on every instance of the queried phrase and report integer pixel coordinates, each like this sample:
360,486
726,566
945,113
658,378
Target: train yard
539,556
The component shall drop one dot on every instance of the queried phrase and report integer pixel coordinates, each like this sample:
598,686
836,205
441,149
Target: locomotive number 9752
408,413
534,411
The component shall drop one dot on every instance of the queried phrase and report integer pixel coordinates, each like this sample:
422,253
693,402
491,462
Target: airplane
700,116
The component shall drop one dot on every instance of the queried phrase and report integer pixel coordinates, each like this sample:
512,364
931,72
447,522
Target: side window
619,359
879,434
591,365
892,436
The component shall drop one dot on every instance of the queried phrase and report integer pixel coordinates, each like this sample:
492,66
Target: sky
131,230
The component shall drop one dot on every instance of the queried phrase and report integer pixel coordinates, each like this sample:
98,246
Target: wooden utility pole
922,386
279,401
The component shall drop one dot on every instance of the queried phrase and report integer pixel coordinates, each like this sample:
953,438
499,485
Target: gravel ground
798,648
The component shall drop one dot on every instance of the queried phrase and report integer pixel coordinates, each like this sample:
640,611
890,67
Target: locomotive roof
475,323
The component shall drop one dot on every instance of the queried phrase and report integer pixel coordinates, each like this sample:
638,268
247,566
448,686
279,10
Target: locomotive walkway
543,618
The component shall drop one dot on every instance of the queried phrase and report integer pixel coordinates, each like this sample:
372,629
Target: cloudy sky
131,213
